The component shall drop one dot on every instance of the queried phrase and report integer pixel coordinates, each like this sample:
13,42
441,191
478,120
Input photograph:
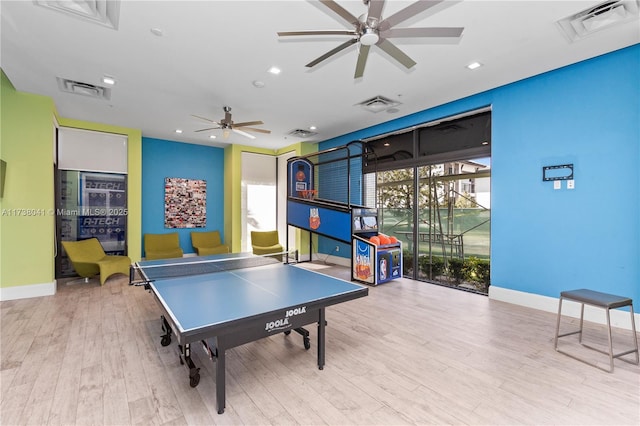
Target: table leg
220,378
321,331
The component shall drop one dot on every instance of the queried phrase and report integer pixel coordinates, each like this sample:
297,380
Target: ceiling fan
227,125
371,29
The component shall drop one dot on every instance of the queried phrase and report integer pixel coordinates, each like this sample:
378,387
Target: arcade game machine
376,257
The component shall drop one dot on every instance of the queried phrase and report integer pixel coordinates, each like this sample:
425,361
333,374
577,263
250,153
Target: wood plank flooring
409,353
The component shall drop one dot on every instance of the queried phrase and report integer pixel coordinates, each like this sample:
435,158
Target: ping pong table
224,301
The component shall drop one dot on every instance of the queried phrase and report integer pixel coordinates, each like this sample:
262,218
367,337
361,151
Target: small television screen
369,222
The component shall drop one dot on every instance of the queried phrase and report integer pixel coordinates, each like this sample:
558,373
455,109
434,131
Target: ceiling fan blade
320,32
411,10
244,133
331,52
205,119
375,9
340,11
436,32
247,123
396,53
210,128
362,60
253,129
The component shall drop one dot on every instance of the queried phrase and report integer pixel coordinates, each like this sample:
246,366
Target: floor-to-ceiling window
259,202
432,187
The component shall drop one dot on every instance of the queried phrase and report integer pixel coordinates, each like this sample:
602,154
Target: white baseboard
27,291
619,318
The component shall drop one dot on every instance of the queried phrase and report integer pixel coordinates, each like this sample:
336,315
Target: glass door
395,198
454,224
90,205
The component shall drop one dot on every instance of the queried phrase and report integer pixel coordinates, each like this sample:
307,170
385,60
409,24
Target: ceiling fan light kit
372,29
369,37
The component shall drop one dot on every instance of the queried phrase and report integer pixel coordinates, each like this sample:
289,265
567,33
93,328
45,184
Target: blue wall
545,240
162,159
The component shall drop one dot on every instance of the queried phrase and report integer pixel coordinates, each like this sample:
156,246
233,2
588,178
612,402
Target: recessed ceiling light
485,143
108,80
157,32
275,70
259,84
474,65
386,144
312,127
178,131
212,137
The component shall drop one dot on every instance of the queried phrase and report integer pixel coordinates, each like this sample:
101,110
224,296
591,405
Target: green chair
265,242
162,246
206,243
89,259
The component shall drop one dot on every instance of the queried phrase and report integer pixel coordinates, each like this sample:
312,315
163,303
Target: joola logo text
282,323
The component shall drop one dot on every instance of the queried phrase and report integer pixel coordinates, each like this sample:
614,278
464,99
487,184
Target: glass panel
258,196
454,231
395,202
451,138
389,152
91,205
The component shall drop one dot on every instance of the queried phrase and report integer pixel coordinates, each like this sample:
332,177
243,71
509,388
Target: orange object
384,239
393,240
375,240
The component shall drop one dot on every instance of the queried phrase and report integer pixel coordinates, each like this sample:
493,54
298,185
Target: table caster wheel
194,380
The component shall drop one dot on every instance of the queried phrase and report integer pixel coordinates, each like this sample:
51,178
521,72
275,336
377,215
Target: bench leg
610,340
569,333
581,322
635,336
555,340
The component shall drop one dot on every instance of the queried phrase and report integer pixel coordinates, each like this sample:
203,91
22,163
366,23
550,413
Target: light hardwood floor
409,353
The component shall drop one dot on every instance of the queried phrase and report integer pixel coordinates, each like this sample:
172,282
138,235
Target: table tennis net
200,266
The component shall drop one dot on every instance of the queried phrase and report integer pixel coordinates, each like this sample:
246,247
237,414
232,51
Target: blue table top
207,300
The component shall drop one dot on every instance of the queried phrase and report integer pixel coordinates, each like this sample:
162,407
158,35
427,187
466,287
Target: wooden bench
606,302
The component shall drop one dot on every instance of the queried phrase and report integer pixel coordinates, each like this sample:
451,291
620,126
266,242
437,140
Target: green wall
27,221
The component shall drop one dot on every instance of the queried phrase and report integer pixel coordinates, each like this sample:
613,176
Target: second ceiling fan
371,29
227,125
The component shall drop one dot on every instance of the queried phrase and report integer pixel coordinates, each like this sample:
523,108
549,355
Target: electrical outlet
337,248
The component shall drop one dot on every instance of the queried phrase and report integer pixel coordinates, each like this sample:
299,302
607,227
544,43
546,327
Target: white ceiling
212,51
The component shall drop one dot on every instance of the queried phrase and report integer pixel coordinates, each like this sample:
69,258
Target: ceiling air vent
596,18
84,89
301,133
378,103
101,12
